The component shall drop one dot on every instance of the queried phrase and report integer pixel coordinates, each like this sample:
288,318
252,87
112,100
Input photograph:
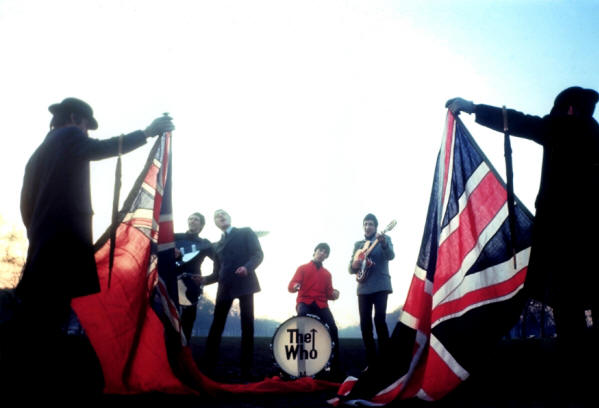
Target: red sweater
316,285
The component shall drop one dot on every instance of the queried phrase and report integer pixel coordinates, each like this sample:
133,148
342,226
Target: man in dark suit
57,212
239,254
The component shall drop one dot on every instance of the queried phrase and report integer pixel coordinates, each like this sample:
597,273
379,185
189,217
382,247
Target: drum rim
330,359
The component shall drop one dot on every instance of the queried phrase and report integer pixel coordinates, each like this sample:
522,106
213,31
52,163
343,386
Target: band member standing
190,272
374,290
239,254
314,286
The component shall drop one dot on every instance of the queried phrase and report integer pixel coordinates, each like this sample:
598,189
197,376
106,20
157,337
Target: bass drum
302,346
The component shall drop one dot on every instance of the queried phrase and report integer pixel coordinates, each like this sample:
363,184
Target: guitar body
362,255
190,249
365,265
363,272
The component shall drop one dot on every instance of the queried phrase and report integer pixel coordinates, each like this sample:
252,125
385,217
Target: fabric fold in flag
465,293
126,322
134,325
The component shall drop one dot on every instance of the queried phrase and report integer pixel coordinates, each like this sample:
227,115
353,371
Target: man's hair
324,246
220,211
371,217
200,216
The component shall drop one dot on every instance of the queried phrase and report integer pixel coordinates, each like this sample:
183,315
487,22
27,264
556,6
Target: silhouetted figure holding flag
563,269
57,212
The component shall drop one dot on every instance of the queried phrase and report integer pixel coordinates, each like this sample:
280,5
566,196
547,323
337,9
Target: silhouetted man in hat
57,212
563,269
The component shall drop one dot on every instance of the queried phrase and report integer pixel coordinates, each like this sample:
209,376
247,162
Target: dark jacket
190,243
565,227
239,248
57,212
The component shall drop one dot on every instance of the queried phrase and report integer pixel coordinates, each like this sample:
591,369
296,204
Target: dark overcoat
57,212
240,247
563,265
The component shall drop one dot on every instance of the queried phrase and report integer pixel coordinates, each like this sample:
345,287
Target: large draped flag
466,292
133,324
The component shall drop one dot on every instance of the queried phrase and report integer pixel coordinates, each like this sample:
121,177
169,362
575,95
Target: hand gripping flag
466,292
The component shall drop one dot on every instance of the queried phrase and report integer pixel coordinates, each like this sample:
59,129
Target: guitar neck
371,247
376,241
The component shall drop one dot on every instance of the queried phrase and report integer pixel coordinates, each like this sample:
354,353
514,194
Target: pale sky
297,117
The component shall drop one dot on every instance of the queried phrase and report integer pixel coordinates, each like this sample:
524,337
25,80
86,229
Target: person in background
239,253
189,270
374,290
314,286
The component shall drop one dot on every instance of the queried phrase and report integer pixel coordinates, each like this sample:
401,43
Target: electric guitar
363,253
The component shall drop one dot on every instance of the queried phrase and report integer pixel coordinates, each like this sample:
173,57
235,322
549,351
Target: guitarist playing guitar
370,261
363,254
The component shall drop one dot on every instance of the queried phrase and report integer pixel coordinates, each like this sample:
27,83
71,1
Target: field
515,374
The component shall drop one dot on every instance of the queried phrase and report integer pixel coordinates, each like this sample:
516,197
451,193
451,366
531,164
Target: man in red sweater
314,285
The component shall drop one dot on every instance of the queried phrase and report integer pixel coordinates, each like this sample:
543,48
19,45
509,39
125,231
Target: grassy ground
516,374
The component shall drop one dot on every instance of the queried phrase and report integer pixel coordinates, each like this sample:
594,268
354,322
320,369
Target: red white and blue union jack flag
466,292
134,323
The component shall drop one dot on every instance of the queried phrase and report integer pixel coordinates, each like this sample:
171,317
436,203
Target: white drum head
302,346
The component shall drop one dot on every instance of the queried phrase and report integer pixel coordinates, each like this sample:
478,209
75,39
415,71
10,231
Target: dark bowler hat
582,100
77,106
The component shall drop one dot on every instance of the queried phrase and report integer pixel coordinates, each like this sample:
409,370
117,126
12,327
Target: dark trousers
378,302
221,310
40,355
188,318
326,317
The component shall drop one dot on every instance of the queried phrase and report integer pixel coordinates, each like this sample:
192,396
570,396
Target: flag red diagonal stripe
483,204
